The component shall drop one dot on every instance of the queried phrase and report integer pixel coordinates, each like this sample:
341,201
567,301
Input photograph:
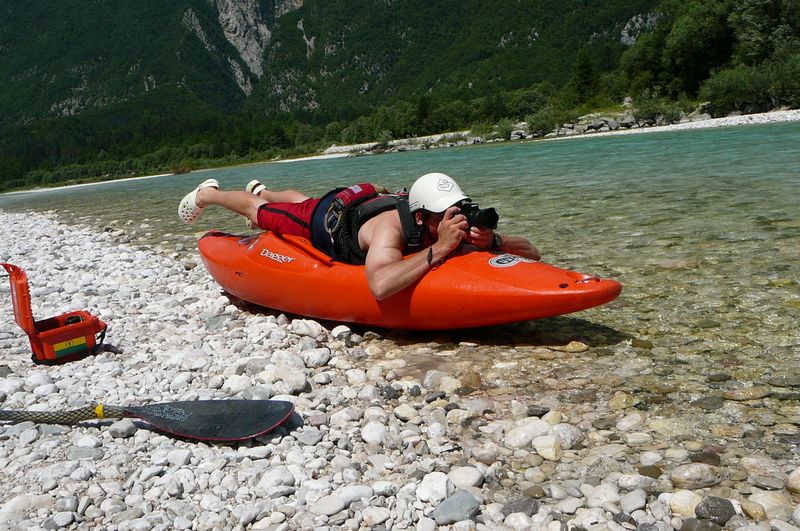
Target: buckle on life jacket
67,337
346,199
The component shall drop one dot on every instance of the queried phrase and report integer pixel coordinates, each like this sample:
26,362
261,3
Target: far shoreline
771,117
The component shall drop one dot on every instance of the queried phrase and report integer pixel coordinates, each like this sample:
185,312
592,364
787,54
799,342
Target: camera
483,218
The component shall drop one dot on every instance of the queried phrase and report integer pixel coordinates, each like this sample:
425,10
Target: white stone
88,441
548,447
277,476
356,377
28,436
569,505
373,432
21,506
630,421
684,502
633,501
375,515
567,435
122,428
10,386
650,458
236,384
328,505
518,521
465,476
434,488
179,457
525,431
316,357
405,412
352,493
602,494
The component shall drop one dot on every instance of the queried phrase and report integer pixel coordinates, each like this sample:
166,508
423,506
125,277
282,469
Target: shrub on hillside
651,109
547,119
750,89
503,129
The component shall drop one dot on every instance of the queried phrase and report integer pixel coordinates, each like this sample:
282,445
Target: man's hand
452,230
481,238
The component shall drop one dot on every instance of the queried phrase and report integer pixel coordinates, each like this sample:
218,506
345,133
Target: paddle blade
214,420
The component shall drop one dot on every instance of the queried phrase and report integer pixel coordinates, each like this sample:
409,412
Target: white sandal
254,187
188,211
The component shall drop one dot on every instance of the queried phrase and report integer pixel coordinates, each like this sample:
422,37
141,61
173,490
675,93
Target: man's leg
243,203
282,196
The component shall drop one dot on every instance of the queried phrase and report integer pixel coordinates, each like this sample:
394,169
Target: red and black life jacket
354,206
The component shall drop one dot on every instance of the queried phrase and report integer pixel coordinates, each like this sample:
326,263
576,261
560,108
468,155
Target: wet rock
537,411
717,510
793,481
622,400
526,506
460,506
708,458
695,476
778,505
693,524
748,393
709,403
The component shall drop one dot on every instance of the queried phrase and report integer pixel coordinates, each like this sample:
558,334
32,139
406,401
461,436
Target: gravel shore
772,117
369,448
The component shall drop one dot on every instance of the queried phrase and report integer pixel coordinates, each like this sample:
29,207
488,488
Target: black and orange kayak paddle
201,420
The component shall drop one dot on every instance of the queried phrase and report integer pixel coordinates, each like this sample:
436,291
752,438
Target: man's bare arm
484,239
388,273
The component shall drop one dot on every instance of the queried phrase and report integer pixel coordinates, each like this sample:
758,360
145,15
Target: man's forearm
519,246
397,276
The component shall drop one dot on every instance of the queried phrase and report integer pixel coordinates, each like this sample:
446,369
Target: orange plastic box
59,339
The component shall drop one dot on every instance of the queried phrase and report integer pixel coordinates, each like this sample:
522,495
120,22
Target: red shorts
288,218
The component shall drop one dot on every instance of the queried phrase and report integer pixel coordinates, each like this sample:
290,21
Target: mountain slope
329,55
338,56
62,58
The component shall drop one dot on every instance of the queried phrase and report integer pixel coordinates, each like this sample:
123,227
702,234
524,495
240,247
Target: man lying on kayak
428,224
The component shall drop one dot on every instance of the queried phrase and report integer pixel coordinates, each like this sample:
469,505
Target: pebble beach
373,445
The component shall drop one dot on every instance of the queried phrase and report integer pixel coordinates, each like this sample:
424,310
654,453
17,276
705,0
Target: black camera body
483,218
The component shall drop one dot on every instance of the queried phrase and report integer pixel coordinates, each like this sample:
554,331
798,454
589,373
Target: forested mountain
95,88
338,57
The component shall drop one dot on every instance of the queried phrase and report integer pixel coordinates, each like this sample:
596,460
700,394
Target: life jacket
354,206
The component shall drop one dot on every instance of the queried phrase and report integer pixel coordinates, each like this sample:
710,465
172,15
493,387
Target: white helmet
434,192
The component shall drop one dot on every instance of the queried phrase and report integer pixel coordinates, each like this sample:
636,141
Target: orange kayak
469,290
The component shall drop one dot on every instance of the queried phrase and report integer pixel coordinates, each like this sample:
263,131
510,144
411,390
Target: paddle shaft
98,411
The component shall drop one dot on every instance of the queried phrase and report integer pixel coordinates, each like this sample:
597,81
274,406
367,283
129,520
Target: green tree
583,82
700,41
764,27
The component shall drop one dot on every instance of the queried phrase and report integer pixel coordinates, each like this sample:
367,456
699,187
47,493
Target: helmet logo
444,185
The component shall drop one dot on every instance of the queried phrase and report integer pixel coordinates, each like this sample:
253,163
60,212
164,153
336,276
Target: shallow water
700,227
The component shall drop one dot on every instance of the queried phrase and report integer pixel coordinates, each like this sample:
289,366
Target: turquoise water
701,227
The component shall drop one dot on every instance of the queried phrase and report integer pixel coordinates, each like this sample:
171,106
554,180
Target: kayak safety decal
280,258
508,260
